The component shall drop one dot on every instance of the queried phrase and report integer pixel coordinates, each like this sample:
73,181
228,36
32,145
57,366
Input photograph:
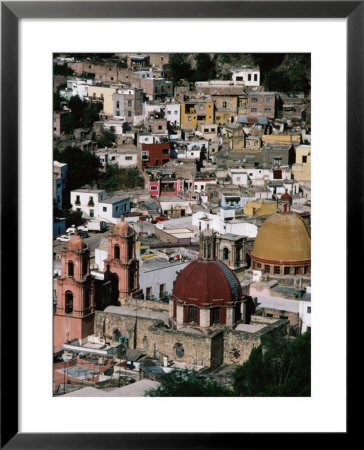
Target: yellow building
301,170
226,109
102,94
196,111
207,130
282,139
260,208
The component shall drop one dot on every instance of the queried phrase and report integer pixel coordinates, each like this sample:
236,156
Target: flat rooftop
136,312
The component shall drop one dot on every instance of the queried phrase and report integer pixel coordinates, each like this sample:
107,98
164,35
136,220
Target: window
277,270
283,317
268,100
193,314
128,158
154,188
165,151
224,104
255,77
216,315
116,252
286,270
91,213
304,159
148,293
130,103
70,269
269,315
102,96
160,127
254,99
113,158
104,208
249,77
176,112
259,265
189,118
162,290
201,106
118,113
254,109
296,270
69,302
118,104
169,113
267,110
112,78
94,95
116,208
308,309
129,113
78,202
237,178
239,79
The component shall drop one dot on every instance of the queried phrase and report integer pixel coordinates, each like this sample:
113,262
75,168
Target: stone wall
197,349
239,344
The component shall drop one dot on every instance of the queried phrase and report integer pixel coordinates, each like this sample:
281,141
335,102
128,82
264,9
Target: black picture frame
11,12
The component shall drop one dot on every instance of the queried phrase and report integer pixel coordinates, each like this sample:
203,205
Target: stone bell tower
74,316
122,262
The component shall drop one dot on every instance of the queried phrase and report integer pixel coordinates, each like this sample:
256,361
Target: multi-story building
94,203
154,155
156,88
249,75
60,120
262,104
127,104
101,71
195,111
123,156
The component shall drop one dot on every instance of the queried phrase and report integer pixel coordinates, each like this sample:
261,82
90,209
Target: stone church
208,321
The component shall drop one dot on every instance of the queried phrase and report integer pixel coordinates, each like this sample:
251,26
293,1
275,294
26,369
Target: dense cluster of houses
216,157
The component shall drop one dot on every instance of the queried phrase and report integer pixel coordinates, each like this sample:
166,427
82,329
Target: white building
250,75
79,87
123,157
94,203
224,224
239,177
173,113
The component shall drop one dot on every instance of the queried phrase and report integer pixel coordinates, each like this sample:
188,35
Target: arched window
69,302
117,252
193,314
216,315
84,266
225,253
87,299
70,269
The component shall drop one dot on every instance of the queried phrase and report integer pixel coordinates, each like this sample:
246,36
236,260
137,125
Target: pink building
74,317
166,187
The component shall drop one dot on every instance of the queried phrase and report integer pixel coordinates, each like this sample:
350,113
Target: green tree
107,138
205,68
83,166
188,384
179,67
62,69
116,178
279,367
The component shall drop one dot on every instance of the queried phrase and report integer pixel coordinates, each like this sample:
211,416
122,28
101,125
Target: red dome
76,242
122,227
204,282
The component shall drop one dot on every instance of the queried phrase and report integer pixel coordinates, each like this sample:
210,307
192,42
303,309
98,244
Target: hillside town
182,217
